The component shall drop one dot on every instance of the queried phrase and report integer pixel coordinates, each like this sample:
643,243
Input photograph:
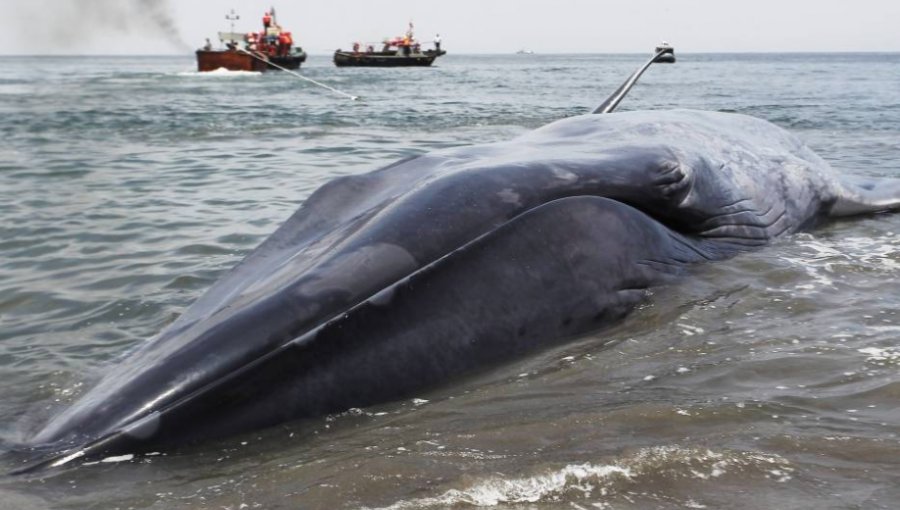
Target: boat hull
210,60
288,62
385,59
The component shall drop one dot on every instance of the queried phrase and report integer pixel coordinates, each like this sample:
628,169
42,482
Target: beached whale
389,282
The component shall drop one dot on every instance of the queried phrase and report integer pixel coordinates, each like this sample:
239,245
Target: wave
586,481
219,73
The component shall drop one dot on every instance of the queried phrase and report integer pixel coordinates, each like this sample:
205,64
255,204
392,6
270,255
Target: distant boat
523,51
402,51
666,53
388,58
271,48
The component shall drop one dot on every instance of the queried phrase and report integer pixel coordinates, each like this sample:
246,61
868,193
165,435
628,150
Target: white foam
497,490
120,458
820,257
220,72
880,355
595,484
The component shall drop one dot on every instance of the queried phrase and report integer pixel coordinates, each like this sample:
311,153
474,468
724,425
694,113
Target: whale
388,283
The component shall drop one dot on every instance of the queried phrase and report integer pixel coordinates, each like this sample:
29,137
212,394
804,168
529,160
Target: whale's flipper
862,195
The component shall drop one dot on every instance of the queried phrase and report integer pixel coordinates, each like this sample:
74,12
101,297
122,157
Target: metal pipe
663,54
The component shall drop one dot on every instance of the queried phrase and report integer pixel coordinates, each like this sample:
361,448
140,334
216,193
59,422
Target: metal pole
663,54
232,17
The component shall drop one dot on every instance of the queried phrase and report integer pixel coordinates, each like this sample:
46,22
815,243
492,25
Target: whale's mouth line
123,434
95,448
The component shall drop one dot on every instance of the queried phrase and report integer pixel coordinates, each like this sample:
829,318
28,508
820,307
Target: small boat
271,48
235,59
524,51
390,58
402,51
664,53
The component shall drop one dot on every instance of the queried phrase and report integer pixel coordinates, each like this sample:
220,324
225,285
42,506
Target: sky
170,27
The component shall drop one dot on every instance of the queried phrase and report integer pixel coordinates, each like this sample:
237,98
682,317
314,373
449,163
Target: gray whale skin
390,282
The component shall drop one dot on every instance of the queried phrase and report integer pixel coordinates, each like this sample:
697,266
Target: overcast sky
466,26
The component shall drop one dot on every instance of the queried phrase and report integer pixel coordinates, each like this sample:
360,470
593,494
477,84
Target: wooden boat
270,48
233,60
390,58
238,60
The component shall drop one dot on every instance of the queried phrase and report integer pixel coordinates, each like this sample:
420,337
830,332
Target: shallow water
129,185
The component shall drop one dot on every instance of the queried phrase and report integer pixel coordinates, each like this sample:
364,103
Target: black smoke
70,25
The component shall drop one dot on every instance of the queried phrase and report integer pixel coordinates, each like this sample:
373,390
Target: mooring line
298,75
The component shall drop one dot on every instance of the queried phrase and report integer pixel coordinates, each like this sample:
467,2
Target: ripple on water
767,380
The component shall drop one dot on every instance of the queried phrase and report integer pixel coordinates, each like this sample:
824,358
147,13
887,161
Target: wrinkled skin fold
389,282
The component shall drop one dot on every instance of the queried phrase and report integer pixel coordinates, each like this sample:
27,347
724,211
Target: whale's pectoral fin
860,195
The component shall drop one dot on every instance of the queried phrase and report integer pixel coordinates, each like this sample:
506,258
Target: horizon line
535,53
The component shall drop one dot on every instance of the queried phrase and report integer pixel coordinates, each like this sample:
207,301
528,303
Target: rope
298,75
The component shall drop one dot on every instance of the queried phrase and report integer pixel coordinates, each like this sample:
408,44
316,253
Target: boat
390,58
270,48
524,51
664,53
402,51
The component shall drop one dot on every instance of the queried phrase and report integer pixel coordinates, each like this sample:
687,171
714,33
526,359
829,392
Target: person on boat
267,20
356,47
437,42
272,34
405,43
416,48
208,45
282,44
370,49
288,42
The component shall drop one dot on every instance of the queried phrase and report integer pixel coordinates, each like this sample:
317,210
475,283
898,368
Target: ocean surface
772,380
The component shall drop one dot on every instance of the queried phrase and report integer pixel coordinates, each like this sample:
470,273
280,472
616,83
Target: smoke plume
72,25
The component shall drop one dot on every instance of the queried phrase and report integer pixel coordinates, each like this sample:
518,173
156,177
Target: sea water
129,185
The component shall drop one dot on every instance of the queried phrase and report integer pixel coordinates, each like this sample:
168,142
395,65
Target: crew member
288,42
282,44
437,42
267,20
